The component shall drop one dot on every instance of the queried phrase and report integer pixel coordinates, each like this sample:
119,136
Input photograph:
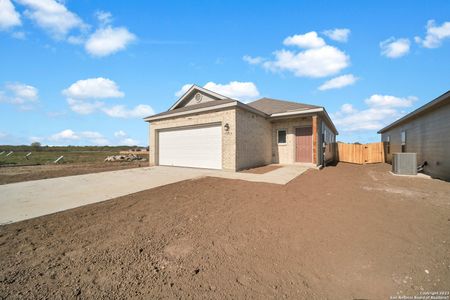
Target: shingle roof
192,107
273,106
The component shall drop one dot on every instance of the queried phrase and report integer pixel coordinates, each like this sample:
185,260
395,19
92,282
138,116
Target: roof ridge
286,101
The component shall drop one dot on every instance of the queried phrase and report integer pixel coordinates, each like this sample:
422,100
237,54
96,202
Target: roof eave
189,112
206,109
417,112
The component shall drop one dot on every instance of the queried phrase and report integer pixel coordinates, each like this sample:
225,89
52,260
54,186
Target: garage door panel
194,147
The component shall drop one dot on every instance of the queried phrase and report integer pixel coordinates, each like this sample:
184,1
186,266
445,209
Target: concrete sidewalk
30,199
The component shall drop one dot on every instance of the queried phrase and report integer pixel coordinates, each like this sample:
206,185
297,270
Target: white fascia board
297,112
193,111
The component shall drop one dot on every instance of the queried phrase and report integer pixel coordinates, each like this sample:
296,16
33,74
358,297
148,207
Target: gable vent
198,97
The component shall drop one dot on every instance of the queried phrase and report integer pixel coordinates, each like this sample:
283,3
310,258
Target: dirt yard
345,232
26,173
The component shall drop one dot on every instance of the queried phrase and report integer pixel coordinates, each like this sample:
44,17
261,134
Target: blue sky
86,72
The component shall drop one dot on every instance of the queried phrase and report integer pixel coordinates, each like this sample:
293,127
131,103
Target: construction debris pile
128,157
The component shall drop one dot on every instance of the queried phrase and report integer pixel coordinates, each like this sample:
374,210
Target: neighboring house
204,129
425,131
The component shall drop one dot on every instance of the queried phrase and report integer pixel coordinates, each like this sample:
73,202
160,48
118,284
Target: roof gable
196,95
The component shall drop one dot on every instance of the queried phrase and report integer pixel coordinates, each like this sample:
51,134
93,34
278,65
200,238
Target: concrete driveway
30,199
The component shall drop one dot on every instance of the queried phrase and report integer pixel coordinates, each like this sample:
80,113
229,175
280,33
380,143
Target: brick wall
428,136
253,140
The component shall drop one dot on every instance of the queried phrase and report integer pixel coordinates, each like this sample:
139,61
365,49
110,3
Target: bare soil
344,232
261,170
27,173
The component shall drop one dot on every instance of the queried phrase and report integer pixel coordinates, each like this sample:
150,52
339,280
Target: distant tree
36,146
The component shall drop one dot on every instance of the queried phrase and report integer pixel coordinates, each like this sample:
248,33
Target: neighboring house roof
273,106
439,101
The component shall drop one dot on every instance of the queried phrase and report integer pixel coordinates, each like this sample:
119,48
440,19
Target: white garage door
192,147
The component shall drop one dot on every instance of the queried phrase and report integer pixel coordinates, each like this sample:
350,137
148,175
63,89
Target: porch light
227,127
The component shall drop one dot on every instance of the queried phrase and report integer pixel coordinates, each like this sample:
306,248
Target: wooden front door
303,143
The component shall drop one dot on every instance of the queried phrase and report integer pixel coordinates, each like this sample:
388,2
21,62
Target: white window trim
278,130
403,142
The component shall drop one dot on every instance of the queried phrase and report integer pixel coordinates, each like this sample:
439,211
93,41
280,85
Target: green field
47,155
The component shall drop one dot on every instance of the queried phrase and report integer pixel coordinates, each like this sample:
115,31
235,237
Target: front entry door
303,142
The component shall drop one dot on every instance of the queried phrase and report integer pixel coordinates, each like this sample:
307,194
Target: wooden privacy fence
361,154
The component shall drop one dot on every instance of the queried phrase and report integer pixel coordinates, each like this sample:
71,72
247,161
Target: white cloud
52,16
317,62
235,89
23,92
80,138
348,108
394,48
67,134
338,34
381,110
435,34
253,60
93,88
104,17
368,119
121,111
20,94
183,89
9,17
124,139
120,133
82,99
338,82
76,39
108,40
389,101
307,40
83,107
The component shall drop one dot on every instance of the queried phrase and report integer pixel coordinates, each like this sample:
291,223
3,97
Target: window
404,141
282,136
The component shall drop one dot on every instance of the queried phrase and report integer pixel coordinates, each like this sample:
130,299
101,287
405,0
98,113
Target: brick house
204,129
